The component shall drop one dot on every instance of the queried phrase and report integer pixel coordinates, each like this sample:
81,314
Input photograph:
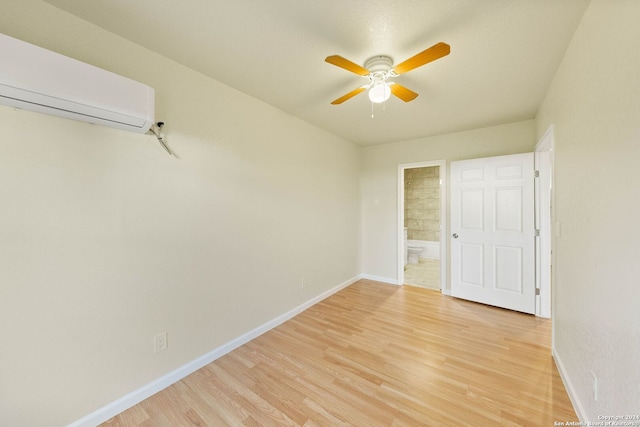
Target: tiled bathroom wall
422,203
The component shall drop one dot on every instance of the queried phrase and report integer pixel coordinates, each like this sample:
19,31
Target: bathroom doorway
422,225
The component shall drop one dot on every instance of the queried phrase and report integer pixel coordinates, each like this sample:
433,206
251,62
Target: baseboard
571,391
379,279
114,408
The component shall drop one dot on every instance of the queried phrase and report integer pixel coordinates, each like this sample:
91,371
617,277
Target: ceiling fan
380,69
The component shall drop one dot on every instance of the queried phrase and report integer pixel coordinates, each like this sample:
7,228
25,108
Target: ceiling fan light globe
379,93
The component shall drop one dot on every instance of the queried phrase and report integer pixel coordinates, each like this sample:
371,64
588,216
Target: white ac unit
37,79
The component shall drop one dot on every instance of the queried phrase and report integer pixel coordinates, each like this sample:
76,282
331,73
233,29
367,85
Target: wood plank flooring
376,355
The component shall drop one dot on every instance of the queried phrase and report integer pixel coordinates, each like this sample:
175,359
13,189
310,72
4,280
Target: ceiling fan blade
341,62
349,95
436,51
402,92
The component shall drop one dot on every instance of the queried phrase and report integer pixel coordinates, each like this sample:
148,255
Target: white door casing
544,242
492,226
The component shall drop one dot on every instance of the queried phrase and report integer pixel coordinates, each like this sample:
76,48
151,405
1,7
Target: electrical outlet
594,383
160,342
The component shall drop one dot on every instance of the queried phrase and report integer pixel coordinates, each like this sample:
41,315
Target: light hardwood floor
376,355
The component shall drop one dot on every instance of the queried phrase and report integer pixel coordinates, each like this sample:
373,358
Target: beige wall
379,181
422,203
594,103
106,241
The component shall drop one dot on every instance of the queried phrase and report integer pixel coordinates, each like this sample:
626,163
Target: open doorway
422,224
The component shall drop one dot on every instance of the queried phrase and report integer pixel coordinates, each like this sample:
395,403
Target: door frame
443,219
545,243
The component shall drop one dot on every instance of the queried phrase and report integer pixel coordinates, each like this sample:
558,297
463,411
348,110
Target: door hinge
537,291
537,233
536,174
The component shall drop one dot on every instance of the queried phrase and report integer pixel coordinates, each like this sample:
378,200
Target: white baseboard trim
114,408
379,279
571,391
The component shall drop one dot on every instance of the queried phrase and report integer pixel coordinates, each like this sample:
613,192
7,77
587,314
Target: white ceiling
503,54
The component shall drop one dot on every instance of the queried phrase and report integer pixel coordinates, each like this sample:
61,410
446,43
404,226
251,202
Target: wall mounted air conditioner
36,79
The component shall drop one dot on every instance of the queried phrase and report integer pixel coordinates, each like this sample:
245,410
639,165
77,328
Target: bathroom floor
425,274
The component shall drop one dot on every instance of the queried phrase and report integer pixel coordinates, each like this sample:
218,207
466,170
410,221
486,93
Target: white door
492,227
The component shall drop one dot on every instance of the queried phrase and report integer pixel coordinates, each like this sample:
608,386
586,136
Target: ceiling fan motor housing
379,63
380,68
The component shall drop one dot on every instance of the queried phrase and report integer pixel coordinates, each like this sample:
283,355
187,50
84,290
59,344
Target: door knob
454,235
